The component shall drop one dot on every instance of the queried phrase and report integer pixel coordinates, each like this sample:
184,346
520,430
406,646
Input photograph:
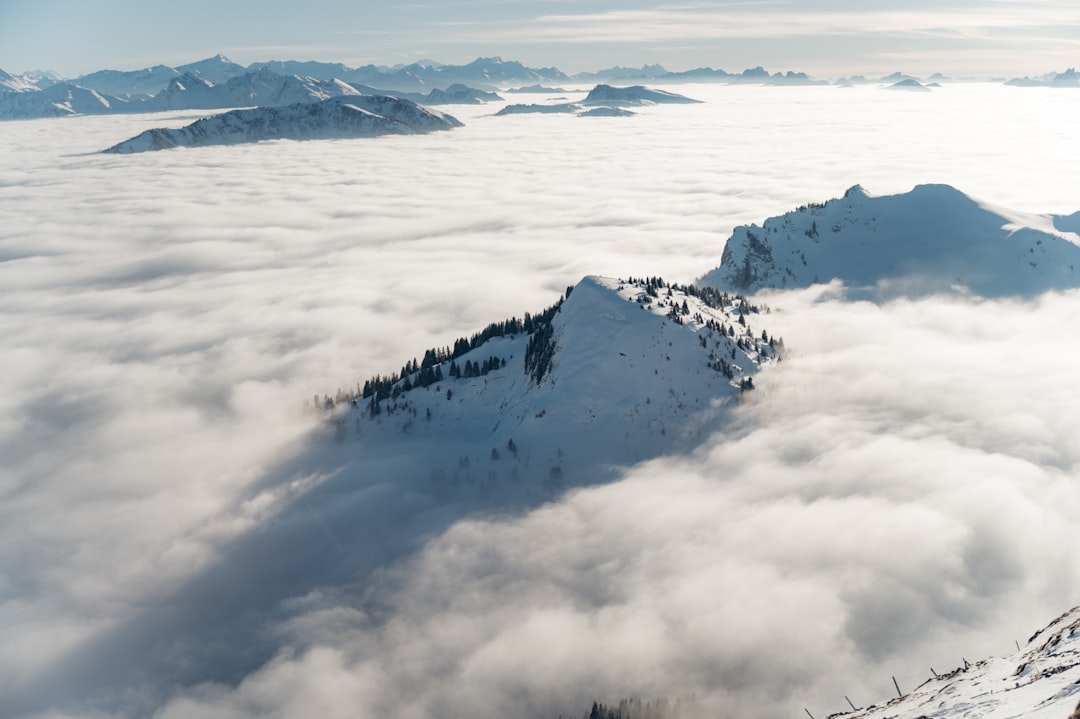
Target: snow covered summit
617,372
931,239
338,117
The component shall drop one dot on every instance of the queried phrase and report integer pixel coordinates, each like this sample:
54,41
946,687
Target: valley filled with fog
899,492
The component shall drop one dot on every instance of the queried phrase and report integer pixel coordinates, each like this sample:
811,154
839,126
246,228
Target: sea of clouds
899,493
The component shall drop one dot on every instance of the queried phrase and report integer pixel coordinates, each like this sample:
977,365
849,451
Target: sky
177,540
827,38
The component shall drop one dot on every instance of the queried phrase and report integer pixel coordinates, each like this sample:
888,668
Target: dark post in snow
808,713
898,692
850,704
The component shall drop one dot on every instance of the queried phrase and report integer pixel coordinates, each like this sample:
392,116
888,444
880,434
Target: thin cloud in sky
690,23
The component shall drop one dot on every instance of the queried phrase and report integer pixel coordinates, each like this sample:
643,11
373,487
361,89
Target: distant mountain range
193,91
1069,78
217,82
487,73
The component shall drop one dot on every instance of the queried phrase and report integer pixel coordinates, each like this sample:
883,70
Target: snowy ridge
619,372
129,84
1039,681
931,239
339,117
15,83
193,90
59,100
633,96
264,88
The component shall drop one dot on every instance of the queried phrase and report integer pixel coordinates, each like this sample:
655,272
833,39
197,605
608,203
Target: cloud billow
897,493
850,522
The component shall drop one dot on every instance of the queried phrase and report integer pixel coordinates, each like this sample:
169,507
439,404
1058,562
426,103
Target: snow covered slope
263,88
58,100
932,239
128,84
15,83
1039,681
622,371
339,117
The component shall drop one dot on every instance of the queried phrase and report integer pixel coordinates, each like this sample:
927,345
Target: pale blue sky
822,37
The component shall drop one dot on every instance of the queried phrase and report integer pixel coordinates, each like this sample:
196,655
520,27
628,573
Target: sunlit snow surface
901,492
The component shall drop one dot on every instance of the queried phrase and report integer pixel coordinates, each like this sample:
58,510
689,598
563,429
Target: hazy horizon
825,38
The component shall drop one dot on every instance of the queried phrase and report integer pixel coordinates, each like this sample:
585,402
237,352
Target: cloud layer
164,317
891,500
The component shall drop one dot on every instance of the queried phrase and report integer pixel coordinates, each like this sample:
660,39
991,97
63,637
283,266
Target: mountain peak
617,371
932,239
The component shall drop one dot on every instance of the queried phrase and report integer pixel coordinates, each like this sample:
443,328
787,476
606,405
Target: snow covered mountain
58,100
193,91
152,80
931,239
484,72
458,94
216,69
15,83
263,88
1041,680
617,372
339,117
632,96
129,84
310,68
